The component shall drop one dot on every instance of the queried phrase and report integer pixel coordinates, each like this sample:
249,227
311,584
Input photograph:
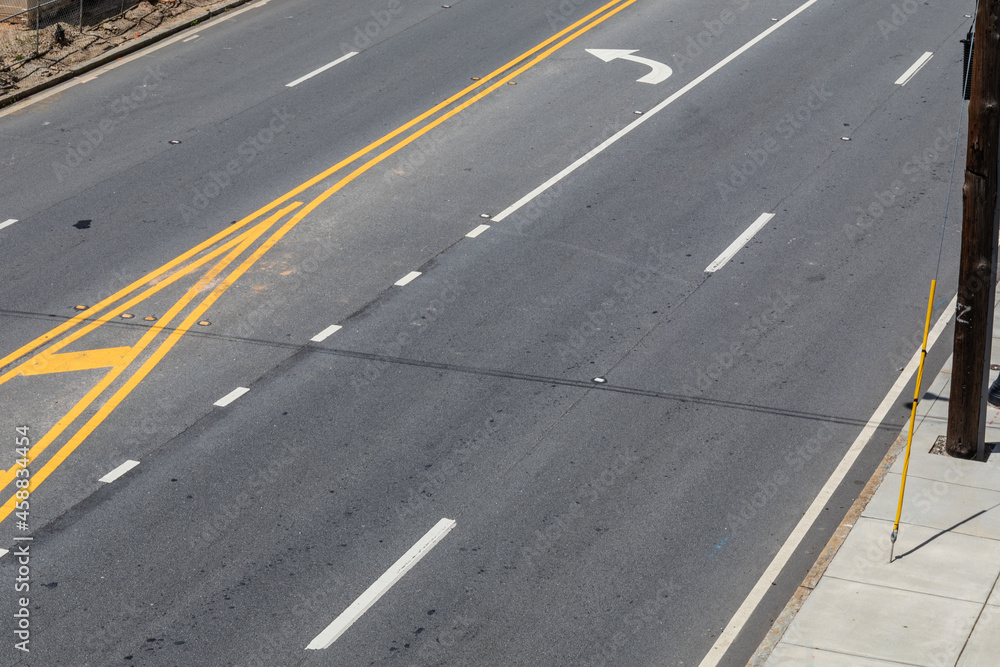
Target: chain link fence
39,38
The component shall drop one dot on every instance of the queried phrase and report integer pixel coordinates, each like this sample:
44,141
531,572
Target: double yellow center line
119,359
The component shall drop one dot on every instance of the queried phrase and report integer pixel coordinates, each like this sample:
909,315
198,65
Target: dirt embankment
27,58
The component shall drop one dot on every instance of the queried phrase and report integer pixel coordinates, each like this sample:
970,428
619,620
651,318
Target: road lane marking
150,278
739,243
381,585
735,625
914,68
85,360
326,333
4,552
321,69
119,471
231,396
407,279
7,223
191,38
157,356
244,240
477,231
336,187
250,235
109,406
231,229
659,71
649,114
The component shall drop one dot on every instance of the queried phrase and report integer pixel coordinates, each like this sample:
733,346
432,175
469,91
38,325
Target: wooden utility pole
977,275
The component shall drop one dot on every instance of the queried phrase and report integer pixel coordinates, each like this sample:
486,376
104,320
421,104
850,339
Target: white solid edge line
914,68
407,279
649,114
7,223
477,231
382,585
119,471
326,333
735,625
738,244
231,396
321,69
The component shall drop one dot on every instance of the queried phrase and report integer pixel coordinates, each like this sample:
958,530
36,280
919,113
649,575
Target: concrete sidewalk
938,603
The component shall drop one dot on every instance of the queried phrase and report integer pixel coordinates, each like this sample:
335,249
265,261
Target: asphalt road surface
660,291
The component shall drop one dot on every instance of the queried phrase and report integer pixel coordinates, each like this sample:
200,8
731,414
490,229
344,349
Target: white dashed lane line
382,585
118,472
477,231
738,244
231,396
407,279
321,69
326,333
7,223
914,68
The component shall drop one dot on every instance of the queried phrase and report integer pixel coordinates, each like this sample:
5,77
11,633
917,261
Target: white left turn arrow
660,71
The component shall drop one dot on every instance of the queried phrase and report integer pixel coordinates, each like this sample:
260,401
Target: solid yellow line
458,109
77,319
113,402
83,331
402,128
93,310
102,413
8,475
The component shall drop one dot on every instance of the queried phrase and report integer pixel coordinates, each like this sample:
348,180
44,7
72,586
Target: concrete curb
125,49
786,616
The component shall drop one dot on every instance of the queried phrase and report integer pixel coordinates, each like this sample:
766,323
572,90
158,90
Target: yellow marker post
913,416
